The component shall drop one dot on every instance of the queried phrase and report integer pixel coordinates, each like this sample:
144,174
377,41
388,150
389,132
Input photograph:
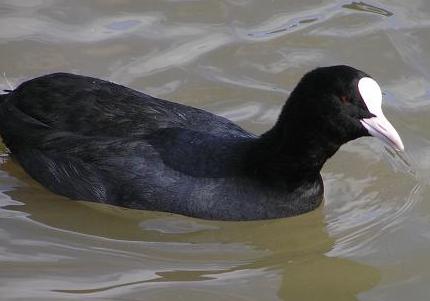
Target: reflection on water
239,59
95,250
361,6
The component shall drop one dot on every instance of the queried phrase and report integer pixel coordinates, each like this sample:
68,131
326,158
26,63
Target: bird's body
93,140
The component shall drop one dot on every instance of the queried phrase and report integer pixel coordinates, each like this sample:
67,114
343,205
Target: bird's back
93,107
94,140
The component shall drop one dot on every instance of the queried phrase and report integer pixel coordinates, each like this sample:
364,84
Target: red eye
344,98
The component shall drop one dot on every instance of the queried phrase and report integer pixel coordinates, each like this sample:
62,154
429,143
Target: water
239,59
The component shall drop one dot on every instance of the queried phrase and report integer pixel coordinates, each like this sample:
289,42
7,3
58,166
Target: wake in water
364,235
360,237
11,88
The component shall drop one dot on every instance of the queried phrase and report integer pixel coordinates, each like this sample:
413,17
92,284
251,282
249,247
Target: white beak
381,128
377,126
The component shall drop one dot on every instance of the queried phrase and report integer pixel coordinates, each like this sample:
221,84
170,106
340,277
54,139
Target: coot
94,140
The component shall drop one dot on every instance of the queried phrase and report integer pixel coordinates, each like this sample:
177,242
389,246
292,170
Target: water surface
240,59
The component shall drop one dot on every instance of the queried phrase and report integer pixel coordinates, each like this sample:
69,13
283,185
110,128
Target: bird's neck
295,152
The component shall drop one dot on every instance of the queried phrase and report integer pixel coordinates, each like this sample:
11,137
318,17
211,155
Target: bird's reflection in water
281,259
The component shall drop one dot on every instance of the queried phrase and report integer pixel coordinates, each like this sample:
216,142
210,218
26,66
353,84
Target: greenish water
240,59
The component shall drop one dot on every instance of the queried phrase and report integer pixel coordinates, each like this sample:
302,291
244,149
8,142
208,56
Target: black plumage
94,140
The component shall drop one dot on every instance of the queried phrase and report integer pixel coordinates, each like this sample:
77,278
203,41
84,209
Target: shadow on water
280,259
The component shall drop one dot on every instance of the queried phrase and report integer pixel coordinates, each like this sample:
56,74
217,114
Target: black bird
94,140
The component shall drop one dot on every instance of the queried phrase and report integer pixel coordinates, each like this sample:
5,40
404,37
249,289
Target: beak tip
381,128
400,147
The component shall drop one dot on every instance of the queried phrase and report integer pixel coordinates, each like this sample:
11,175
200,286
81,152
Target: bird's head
339,103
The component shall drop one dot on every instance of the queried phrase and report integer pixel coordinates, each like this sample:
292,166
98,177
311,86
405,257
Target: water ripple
364,7
361,238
